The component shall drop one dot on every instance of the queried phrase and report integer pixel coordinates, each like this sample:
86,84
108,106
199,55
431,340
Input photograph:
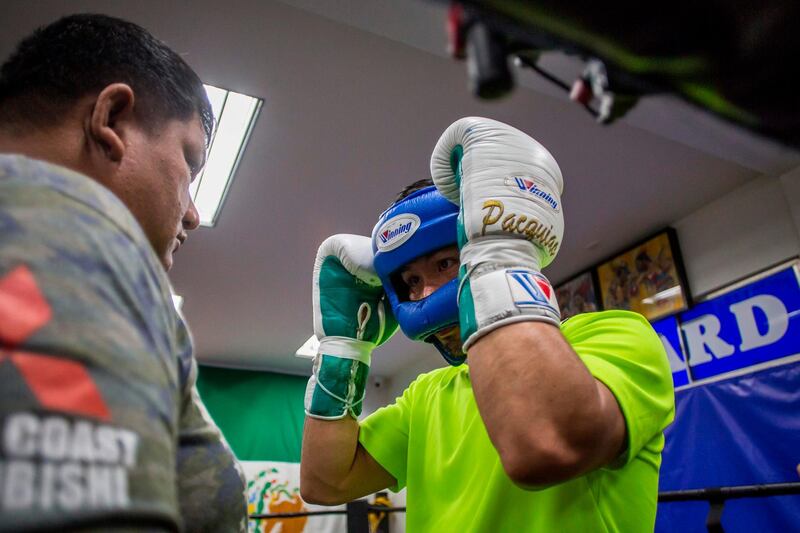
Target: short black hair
412,188
81,54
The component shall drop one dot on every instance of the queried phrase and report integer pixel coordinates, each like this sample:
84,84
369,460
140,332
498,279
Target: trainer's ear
111,117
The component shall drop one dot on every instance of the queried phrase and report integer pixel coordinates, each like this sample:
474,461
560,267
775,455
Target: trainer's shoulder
58,191
53,216
88,256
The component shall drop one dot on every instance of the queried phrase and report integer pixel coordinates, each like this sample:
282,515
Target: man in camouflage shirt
102,129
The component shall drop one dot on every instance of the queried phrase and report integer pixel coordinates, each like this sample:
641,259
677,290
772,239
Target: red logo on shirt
57,383
23,308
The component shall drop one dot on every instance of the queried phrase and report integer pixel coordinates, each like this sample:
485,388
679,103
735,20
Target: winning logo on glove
530,289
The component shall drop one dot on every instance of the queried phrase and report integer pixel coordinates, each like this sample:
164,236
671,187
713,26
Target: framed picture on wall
578,295
648,278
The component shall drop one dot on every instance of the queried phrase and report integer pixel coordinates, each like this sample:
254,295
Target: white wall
791,186
377,394
752,227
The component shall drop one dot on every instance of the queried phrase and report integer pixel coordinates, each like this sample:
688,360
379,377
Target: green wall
260,413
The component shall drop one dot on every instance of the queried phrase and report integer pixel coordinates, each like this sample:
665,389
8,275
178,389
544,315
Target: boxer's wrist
499,284
336,387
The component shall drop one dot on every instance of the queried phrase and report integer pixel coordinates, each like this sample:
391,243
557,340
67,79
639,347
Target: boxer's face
426,274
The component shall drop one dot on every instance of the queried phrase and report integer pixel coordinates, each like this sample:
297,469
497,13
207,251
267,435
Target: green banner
260,413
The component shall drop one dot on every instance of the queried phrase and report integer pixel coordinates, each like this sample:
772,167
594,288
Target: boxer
536,425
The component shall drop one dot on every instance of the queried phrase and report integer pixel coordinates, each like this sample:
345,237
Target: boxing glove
351,318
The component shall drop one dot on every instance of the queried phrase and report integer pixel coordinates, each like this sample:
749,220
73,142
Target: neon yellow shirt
433,441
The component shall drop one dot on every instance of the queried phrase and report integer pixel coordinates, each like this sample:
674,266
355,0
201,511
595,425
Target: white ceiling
356,93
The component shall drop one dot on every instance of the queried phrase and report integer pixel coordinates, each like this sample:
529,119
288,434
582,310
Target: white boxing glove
510,223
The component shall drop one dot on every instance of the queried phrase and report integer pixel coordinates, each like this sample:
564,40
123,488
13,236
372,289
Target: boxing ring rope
717,496
357,511
357,514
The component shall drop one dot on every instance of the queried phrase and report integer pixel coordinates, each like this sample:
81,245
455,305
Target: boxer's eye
411,280
446,264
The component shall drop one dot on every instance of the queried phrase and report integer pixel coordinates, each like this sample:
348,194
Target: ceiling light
235,115
309,348
666,294
177,301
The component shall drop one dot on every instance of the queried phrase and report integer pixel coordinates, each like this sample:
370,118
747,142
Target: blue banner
743,430
737,407
745,327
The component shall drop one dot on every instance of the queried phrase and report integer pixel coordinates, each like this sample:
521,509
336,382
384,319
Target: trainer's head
417,260
103,97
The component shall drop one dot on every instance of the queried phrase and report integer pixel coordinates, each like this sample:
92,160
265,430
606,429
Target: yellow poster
645,279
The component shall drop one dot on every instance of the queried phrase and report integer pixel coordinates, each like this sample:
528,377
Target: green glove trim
466,306
455,163
456,155
341,298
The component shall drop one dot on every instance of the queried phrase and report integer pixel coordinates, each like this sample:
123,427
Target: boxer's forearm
329,447
549,419
334,468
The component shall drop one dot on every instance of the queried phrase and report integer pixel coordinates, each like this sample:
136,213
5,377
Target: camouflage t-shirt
101,426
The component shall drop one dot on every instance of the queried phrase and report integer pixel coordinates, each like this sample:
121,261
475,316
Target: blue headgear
419,224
